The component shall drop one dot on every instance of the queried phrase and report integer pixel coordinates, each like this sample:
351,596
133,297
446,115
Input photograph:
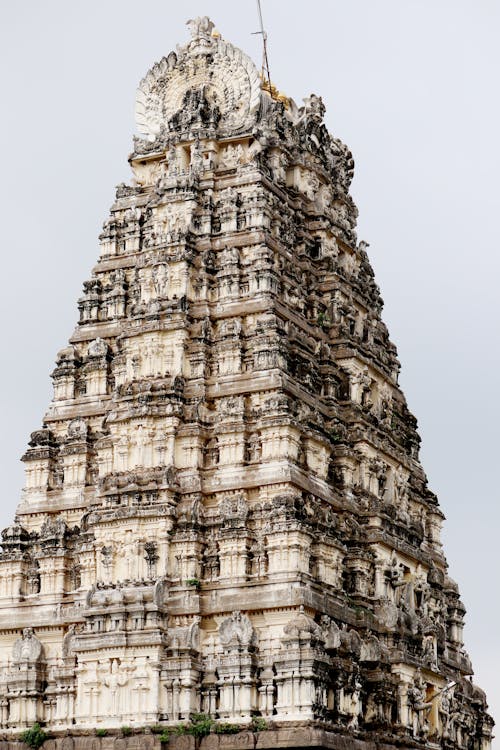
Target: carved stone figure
418,706
27,648
237,630
201,27
98,348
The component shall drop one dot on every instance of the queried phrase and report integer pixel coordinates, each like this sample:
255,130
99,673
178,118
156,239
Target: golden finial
273,92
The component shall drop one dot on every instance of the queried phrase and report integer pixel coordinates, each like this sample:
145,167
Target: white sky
410,85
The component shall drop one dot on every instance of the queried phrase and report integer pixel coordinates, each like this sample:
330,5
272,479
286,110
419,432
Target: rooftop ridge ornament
201,28
182,81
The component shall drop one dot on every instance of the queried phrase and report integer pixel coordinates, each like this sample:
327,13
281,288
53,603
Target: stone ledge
292,737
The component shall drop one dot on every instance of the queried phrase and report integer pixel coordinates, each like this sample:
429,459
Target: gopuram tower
225,525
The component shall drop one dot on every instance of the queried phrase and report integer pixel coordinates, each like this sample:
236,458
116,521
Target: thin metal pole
265,59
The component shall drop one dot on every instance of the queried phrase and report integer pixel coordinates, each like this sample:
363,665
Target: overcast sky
410,85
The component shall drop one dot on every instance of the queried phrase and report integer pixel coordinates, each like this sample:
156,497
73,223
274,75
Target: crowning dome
207,70
225,527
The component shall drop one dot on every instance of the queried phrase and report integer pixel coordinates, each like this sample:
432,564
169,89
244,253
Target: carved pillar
26,681
302,668
237,668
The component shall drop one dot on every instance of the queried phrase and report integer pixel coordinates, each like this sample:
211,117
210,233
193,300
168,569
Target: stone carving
201,28
98,348
68,641
77,429
237,630
331,633
370,649
27,648
354,707
314,109
303,623
234,83
418,707
115,678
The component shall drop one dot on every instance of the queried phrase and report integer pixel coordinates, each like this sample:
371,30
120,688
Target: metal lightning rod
265,60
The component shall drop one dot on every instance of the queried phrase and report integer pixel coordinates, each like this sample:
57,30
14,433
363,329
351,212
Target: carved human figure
260,562
160,280
445,706
196,157
33,581
254,448
331,633
211,560
128,553
106,562
400,485
114,680
429,649
354,706
314,109
394,576
230,158
212,452
418,707
172,161
67,644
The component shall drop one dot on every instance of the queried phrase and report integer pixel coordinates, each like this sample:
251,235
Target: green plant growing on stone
199,726
126,731
323,320
157,729
34,737
335,437
226,728
101,732
259,724
165,736
193,582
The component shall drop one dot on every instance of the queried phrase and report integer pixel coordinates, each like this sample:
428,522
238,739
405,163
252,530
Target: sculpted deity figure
260,560
172,162
418,707
67,644
237,630
106,562
331,633
314,109
394,576
77,429
254,448
98,348
400,485
114,680
232,156
196,157
354,706
445,707
27,648
160,280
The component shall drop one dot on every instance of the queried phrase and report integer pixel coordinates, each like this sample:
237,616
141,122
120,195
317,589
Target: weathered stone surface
224,509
